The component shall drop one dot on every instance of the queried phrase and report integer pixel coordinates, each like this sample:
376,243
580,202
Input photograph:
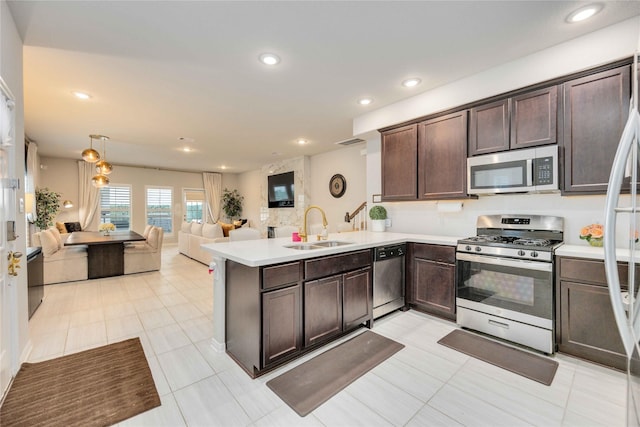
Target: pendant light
100,181
103,167
90,155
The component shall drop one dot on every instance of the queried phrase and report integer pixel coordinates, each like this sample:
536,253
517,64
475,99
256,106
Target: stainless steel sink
317,245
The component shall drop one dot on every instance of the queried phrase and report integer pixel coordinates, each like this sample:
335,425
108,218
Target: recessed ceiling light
302,141
223,167
81,95
583,13
187,149
365,101
413,81
269,58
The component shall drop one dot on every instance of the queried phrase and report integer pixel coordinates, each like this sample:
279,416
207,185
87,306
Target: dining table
105,252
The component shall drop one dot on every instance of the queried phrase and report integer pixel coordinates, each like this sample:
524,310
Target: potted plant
47,207
232,203
378,215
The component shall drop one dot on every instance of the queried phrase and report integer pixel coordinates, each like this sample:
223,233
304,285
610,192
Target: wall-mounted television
280,187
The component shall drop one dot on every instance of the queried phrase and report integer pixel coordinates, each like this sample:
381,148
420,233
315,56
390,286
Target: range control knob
521,252
467,248
478,249
534,254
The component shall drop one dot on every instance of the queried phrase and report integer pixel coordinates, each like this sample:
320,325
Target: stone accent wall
278,217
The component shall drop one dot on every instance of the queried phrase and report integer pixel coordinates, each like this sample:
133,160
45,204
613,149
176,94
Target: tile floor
425,384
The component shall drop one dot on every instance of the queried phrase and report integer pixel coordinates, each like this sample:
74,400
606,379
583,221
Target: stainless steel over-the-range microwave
527,170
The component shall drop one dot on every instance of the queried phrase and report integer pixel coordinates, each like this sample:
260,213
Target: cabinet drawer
438,253
327,266
283,274
590,271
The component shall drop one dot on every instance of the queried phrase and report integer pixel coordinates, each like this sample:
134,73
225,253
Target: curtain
30,182
213,195
89,196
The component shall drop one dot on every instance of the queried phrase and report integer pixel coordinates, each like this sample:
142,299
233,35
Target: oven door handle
506,262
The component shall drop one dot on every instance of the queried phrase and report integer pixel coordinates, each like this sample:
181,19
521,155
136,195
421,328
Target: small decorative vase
106,232
596,242
378,225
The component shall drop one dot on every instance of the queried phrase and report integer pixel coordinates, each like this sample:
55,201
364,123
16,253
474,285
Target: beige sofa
60,263
192,235
147,255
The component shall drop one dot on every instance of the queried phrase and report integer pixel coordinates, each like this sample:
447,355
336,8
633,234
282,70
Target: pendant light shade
103,167
90,155
100,181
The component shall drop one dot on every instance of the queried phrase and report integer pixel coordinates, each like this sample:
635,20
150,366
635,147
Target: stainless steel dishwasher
388,279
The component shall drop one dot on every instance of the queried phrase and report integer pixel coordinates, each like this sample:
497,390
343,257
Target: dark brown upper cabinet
525,120
489,128
534,118
596,108
399,151
442,157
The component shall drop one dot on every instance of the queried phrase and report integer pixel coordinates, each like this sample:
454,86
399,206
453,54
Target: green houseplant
47,207
232,203
378,215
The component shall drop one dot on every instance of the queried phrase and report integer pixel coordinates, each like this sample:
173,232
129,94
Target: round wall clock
337,185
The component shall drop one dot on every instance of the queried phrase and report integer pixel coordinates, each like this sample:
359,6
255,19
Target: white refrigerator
621,213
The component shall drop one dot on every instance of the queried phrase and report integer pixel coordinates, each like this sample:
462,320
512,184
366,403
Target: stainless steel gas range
505,278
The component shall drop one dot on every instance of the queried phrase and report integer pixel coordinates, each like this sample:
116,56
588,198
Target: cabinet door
434,288
322,309
489,128
596,108
587,326
442,157
357,297
534,118
281,324
399,152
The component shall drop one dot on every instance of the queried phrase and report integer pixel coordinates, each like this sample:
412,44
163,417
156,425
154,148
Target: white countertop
255,253
590,252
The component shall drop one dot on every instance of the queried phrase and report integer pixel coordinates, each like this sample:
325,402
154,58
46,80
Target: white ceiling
161,70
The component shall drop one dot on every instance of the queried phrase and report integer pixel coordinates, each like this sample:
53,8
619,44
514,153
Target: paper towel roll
449,206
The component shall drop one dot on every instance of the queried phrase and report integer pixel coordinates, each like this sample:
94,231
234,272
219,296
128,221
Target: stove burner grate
532,242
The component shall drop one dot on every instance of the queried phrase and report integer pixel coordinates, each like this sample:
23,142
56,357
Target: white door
8,283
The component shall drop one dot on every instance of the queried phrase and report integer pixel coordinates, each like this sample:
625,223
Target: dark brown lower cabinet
322,309
432,286
585,326
277,312
356,297
281,324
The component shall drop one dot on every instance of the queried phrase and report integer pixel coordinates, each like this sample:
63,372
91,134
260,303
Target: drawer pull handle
499,324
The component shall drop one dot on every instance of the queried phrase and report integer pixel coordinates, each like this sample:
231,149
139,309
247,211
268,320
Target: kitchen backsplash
577,211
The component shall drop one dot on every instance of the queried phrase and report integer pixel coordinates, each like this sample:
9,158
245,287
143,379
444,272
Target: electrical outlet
387,222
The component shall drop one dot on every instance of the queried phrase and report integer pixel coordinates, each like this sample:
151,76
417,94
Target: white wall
11,73
352,164
607,45
61,175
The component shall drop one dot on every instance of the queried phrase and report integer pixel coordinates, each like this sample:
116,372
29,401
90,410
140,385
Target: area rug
312,383
528,365
97,387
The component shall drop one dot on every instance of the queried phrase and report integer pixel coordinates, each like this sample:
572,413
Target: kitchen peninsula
259,284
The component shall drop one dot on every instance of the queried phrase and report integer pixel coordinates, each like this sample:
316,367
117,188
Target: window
159,203
193,205
115,206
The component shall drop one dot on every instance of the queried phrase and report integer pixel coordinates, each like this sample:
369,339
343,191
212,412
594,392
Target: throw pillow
196,229
212,231
226,228
186,227
56,234
72,226
48,242
61,228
